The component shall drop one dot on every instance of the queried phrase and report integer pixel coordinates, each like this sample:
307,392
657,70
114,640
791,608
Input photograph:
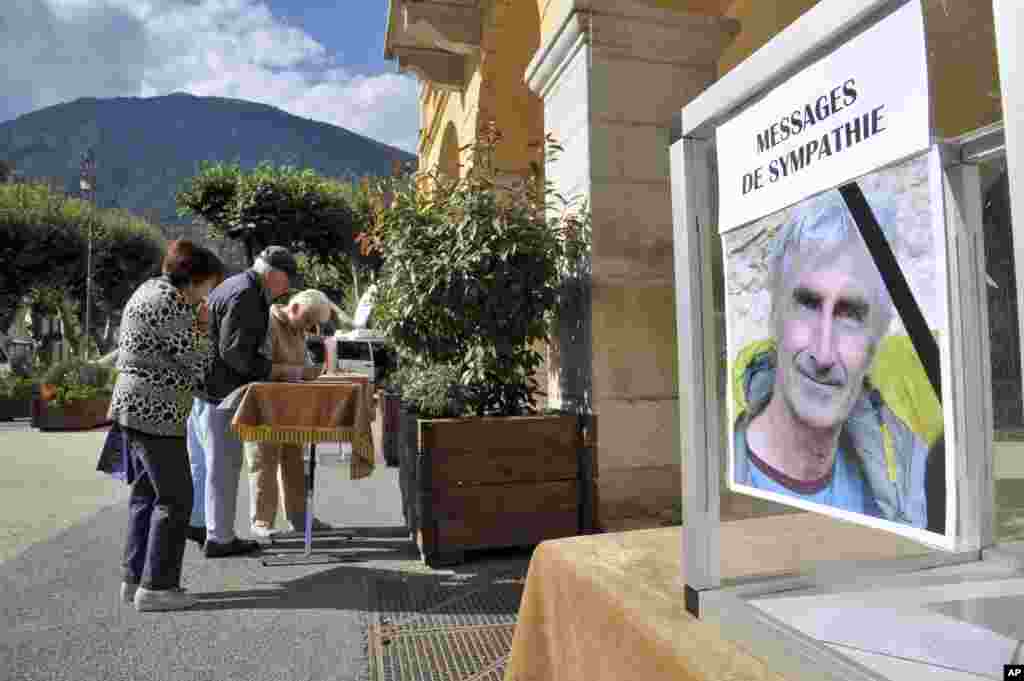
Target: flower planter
15,408
77,415
484,483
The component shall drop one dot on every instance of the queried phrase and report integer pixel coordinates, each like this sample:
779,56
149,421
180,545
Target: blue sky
351,29
320,59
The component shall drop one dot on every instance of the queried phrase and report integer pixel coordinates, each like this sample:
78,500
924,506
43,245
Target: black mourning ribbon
899,290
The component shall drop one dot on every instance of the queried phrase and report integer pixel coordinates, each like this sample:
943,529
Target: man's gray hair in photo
823,225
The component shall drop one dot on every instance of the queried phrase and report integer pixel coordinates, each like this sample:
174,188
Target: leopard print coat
161,360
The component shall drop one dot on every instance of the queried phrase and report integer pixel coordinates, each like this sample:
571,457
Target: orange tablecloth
611,607
308,413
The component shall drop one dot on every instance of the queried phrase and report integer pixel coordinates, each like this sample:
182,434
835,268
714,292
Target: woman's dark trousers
159,509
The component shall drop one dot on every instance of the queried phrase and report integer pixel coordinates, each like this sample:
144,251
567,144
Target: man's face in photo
827,332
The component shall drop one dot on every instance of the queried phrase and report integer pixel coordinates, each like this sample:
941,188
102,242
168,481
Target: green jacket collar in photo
891,454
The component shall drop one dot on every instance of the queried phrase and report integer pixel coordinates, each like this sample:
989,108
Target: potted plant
430,392
469,287
15,396
74,395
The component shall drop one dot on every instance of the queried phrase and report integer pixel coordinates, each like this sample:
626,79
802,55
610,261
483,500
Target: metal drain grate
457,603
399,600
453,654
456,630
495,672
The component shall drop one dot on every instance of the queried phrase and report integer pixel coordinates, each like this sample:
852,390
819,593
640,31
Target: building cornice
432,39
442,26
555,53
600,22
443,70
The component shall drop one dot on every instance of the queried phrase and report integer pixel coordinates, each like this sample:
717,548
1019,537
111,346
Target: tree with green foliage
55,301
283,205
126,252
331,278
346,278
40,243
472,277
43,241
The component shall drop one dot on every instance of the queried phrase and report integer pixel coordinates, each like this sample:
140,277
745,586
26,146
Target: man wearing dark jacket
240,354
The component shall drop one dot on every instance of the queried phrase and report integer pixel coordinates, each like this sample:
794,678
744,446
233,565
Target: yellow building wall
961,43
963,64
760,21
552,12
440,107
961,55
514,31
495,90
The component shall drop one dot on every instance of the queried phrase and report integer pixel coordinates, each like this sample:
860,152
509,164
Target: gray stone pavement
61,536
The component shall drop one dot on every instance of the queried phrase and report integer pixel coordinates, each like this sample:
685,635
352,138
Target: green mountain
146,147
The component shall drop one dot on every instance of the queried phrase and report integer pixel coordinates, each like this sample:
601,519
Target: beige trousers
273,466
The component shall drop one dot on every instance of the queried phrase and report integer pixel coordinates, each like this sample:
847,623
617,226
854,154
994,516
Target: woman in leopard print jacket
161,358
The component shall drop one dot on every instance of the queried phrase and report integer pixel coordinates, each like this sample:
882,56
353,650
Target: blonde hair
317,301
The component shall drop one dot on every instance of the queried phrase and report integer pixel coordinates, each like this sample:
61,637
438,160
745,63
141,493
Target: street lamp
87,183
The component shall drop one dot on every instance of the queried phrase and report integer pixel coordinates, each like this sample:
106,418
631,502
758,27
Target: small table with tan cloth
610,607
331,409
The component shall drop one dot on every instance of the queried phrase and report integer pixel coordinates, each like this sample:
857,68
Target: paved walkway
49,484
62,535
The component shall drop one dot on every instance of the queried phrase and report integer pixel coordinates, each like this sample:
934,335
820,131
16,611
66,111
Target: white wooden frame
1009,25
829,23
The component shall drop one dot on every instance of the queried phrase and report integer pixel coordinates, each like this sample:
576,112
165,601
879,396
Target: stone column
611,78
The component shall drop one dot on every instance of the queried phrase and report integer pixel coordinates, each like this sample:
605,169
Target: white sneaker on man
149,600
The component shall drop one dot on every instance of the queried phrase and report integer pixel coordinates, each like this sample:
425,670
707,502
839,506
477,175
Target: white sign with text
862,107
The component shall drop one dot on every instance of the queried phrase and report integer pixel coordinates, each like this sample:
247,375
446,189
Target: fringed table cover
309,413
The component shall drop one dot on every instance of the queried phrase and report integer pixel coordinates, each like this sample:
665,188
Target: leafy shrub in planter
433,389
471,278
16,387
75,379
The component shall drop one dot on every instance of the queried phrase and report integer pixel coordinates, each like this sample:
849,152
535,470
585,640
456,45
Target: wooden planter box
482,483
407,449
385,427
15,408
77,415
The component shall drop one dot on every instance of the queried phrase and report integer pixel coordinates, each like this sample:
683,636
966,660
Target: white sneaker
128,592
262,531
147,600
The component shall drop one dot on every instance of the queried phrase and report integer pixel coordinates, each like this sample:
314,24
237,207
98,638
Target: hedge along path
51,485
44,239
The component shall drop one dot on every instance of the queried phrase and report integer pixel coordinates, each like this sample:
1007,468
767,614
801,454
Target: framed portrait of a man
834,404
